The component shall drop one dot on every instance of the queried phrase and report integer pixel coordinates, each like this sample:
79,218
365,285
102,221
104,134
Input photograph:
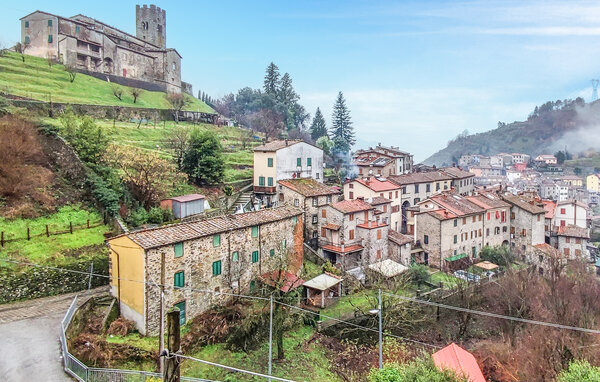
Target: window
577,241
270,182
474,218
487,231
426,239
578,252
489,214
181,307
295,219
323,232
26,24
351,195
404,190
315,201
49,23
416,188
179,280
351,234
255,231
284,244
261,180
390,195
49,39
317,175
296,202
315,234
378,234
77,29
563,211
255,257
216,268
271,252
351,216
567,251
464,221
378,254
323,213
178,248
455,222
437,186
474,250
455,239
299,162
417,200
27,40
309,162
428,188
216,240
315,219
235,257
568,240
269,162
562,223
328,198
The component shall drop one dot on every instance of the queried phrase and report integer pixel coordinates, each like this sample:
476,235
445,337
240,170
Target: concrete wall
285,162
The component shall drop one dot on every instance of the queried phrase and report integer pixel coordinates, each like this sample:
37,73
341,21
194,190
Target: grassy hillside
545,132
35,79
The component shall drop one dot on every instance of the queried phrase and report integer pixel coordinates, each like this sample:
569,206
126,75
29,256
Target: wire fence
78,370
28,234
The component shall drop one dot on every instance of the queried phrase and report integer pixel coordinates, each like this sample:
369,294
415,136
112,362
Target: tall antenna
595,90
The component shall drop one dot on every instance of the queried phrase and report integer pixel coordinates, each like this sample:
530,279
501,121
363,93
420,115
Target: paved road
29,345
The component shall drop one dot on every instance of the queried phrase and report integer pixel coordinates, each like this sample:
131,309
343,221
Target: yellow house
592,182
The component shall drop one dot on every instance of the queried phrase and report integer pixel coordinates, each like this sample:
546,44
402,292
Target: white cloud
543,31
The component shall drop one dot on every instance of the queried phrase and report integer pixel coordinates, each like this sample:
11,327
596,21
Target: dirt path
29,338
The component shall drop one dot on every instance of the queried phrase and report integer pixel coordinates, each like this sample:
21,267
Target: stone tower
151,25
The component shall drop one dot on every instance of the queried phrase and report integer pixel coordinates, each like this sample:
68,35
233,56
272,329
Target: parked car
461,274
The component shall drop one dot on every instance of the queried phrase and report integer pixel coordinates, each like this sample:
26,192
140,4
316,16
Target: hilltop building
383,161
106,52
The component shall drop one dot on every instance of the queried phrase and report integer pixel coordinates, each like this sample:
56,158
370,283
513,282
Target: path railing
78,370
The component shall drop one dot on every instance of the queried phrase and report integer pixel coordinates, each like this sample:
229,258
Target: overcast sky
415,74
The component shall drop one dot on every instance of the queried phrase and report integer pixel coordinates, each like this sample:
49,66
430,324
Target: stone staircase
243,203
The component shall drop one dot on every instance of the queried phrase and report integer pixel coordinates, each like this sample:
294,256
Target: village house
592,182
400,248
546,158
310,196
383,161
103,50
373,186
355,232
572,180
518,158
527,218
190,260
570,212
284,159
571,242
496,222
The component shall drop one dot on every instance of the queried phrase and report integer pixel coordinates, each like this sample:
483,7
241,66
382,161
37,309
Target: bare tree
117,91
178,140
72,72
266,121
21,48
177,102
136,92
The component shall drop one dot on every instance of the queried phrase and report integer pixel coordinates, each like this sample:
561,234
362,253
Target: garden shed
186,205
322,290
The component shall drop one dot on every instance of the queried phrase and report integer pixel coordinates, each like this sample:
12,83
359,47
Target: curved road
29,345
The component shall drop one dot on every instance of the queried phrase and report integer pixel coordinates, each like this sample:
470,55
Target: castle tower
151,25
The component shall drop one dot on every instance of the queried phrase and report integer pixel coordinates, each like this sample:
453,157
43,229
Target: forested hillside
549,128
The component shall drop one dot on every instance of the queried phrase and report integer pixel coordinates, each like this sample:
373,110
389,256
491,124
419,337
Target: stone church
106,52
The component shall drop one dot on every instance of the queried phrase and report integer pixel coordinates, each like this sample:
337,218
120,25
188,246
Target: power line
494,315
232,368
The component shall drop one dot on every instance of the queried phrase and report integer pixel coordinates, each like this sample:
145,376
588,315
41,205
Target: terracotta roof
377,184
459,360
548,249
441,214
187,198
399,238
488,200
376,161
352,205
525,203
331,226
420,177
550,208
338,248
377,200
284,280
572,230
276,145
308,187
323,281
371,225
572,201
456,204
457,173
175,233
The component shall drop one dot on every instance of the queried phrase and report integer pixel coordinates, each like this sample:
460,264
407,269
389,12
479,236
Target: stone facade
527,223
370,187
91,45
383,161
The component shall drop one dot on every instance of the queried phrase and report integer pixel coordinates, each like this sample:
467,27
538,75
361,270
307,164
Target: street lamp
379,312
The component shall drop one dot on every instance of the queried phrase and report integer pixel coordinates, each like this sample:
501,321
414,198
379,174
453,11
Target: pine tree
271,85
287,95
341,126
199,95
318,128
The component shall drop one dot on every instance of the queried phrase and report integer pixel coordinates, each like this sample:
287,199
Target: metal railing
78,370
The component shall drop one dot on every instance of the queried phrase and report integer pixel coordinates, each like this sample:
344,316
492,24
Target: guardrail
78,370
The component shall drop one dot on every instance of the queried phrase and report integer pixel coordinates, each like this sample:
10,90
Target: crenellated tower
151,25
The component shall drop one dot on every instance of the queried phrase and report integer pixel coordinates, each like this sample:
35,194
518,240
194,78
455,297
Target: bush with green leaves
203,159
104,193
137,217
580,371
419,370
498,255
89,140
419,274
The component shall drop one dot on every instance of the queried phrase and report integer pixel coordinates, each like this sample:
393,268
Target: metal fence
83,373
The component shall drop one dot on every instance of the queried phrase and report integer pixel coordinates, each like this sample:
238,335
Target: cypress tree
318,128
287,95
271,85
342,131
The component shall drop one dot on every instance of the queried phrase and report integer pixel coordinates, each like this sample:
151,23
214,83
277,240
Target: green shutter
455,239
49,23
261,180
270,162
27,40
181,307
299,162
255,231
272,252
252,285
255,257
216,240
270,182
235,256
179,280
295,219
178,247
216,268
49,38
26,24
309,162
284,244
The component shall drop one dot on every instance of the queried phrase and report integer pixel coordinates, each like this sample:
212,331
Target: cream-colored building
284,159
592,182
372,186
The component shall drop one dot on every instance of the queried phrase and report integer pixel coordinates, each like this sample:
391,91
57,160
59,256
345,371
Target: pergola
487,265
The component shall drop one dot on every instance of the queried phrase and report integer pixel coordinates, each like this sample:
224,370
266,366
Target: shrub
155,215
420,370
497,255
89,140
104,194
580,371
419,274
330,268
137,217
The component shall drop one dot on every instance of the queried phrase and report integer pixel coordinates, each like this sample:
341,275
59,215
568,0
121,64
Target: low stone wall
126,81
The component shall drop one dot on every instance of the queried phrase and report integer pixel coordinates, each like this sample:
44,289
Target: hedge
34,282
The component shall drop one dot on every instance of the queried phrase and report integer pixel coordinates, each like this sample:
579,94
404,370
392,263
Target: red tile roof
281,279
572,230
276,145
377,185
371,225
456,204
338,248
488,201
399,238
309,187
550,208
459,360
353,205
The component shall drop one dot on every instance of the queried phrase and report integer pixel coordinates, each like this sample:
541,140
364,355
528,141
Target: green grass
137,340
346,305
42,248
311,270
35,79
449,280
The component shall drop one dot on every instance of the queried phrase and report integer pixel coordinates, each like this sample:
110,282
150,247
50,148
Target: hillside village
211,242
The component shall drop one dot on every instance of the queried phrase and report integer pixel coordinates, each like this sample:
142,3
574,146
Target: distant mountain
549,128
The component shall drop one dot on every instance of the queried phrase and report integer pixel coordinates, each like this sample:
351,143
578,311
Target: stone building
355,232
107,52
284,159
190,260
571,241
310,196
527,219
383,161
400,247
496,221
373,186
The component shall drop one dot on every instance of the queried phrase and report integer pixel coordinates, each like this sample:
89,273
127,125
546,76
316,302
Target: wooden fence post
28,234
71,227
173,345
2,239
88,223
47,231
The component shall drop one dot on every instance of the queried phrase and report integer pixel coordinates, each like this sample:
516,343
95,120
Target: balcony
342,248
265,190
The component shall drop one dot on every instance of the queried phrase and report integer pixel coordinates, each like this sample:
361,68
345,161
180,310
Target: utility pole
173,345
162,329
380,308
270,335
